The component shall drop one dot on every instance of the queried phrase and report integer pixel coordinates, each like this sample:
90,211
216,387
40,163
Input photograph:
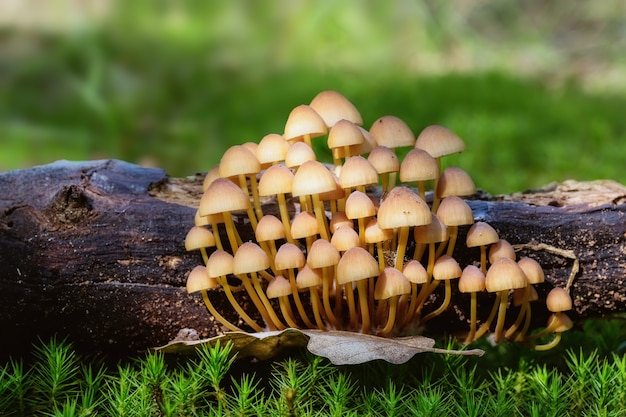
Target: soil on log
94,251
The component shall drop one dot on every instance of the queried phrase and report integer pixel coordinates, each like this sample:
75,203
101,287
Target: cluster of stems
360,245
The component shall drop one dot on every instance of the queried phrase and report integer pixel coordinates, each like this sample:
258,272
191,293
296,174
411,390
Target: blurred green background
536,89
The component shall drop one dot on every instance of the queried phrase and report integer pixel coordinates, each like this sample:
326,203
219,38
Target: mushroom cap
322,254
369,143
439,141
454,181
359,205
312,177
392,132
211,176
344,133
563,322
339,219
357,171
250,258
446,267
269,228
289,256
199,280
384,160
403,208
501,249
304,120
272,148
472,279
277,179
481,234
304,224
208,219
518,295
199,237
390,283
374,234
238,160
504,274
434,232
418,165
278,287
532,269
356,264
558,300
308,277
223,196
337,194
415,272
454,211
332,107
345,238
298,154
220,263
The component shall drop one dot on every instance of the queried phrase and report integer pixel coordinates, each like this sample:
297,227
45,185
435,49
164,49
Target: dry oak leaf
340,347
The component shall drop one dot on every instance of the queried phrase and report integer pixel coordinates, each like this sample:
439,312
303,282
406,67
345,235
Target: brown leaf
340,347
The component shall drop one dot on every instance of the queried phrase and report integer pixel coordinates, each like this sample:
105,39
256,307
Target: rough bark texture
93,251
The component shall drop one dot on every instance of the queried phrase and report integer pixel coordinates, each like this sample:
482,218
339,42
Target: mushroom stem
296,298
222,281
501,315
436,200
524,307
549,329
444,304
472,332
317,305
492,314
326,283
320,215
361,286
453,231
266,302
284,216
252,293
549,345
391,318
233,236
347,289
403,237
243,184
285,308
217,315
216,233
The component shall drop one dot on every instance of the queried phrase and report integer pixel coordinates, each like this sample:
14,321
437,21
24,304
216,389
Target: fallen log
93,251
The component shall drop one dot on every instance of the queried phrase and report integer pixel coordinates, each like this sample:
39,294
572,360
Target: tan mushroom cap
359,205
519,294
345,238
220,263
558,300
374,234
434,232
289,256
336,194
481,234
304,120
312,177
211,176
269,228
418,165
357,171
278,287
403,208
504,274
532,269
322,254
356,264
415,272
332,107
223,196
238,160
439,141
446,267
199,237
344,133
384,160
298,154
392,132
369,143
453,211
472,279
338,220
271,149
277,179
304,224
501,249
390,283
308,277
455,181
250,258
199,280
563,323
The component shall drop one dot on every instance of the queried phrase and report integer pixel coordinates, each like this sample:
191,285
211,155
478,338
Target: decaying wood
94,251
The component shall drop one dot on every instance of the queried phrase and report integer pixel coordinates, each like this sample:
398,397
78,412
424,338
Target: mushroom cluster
360,245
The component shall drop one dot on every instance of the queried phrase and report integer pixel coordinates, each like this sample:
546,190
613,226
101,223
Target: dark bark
94,251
